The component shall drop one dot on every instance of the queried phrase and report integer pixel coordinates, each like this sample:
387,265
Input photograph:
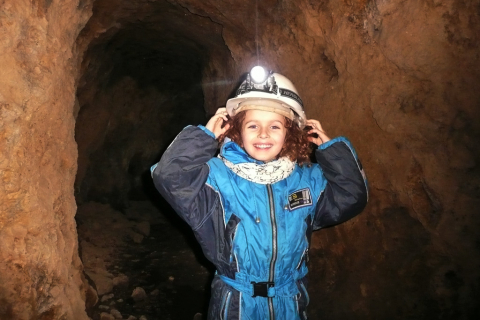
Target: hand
316,128
215,123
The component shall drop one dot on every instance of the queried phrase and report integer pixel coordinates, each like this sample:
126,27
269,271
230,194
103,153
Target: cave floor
167,264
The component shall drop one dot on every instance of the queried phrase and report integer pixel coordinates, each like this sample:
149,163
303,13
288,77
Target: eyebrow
272,122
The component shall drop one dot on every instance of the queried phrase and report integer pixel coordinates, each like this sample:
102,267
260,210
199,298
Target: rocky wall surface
40,270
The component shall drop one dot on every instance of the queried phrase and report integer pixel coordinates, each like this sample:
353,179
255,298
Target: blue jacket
257,235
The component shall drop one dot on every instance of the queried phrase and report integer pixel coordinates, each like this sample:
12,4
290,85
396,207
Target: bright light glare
258,74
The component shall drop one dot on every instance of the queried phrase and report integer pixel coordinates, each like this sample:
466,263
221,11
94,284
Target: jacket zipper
274,247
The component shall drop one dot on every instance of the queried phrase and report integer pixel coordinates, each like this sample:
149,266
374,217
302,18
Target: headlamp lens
258,74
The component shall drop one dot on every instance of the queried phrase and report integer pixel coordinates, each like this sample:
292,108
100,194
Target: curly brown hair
296,146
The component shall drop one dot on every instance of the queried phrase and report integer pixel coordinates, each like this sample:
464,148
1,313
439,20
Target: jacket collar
235,154
237,160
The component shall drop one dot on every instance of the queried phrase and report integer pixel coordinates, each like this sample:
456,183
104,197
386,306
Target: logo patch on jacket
299,199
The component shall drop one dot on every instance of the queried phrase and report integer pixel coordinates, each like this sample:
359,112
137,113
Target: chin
265,158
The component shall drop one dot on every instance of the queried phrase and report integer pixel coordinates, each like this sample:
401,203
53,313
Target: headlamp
258,74
258,79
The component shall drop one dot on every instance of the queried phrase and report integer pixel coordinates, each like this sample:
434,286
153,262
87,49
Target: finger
221,122
220,116
225,128
221,111
224,116
221,130
317,129
311,125
314,123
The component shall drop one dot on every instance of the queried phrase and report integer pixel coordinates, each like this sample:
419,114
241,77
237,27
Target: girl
253,207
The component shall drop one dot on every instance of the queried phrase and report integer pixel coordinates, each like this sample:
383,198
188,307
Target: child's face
263,134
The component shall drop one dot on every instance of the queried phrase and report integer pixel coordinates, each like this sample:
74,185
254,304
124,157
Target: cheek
242,138
281,138
283,146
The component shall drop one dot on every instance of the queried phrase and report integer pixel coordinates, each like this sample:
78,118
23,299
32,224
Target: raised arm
181,174
346,192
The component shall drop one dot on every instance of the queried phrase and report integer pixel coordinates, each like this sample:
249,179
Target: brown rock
102,279
91,297
107,297
120,281
143,227
116,314
155,292
106,316
136,237
139,294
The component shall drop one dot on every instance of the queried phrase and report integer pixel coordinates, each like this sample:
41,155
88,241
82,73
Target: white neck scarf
267,173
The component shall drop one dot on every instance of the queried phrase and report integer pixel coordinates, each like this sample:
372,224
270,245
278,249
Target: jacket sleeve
182,172
346,191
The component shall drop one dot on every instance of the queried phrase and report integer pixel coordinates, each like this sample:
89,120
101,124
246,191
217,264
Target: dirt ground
166,264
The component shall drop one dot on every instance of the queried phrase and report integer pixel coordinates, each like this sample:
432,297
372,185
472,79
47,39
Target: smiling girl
254,206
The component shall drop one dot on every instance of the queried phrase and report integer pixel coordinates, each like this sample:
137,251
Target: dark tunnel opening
141,97
141,85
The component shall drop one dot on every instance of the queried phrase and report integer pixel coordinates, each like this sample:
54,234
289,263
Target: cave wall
399,78
40,271
407,75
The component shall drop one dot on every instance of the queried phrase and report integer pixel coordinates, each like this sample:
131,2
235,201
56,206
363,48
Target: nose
263,133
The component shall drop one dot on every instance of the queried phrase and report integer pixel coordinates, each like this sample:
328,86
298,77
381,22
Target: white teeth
263,146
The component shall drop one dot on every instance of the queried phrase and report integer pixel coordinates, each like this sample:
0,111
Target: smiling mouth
263,146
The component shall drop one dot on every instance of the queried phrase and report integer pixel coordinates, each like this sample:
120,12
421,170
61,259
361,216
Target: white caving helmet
268,91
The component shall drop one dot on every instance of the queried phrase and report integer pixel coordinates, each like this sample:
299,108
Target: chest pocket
300,199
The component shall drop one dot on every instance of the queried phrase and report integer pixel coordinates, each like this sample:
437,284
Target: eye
276,127
252,126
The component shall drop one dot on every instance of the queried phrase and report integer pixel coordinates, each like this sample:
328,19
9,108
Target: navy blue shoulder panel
183,177
346,192
181,174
